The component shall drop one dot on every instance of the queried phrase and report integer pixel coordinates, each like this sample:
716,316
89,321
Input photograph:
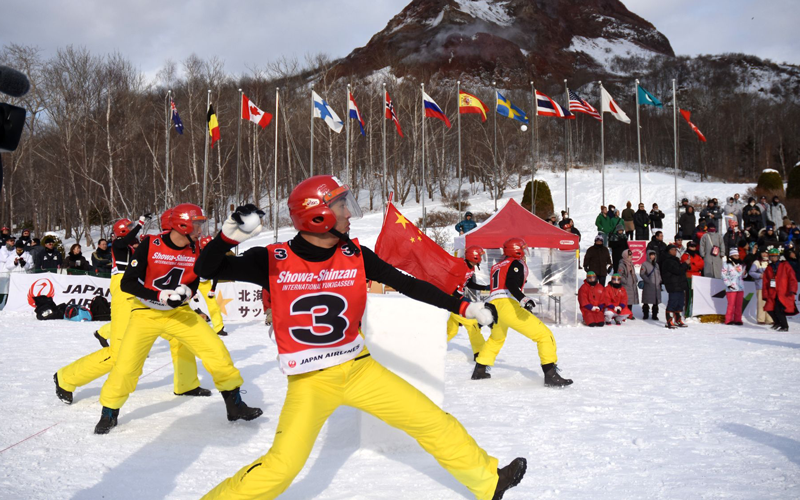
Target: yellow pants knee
189,336
368,386
476,339
214,312
512,315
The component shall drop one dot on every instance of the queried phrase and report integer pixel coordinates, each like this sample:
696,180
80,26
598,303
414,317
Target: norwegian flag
579,105
391,115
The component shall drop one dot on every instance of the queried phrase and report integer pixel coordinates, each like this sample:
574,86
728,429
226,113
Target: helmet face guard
123,227
316,204
188,220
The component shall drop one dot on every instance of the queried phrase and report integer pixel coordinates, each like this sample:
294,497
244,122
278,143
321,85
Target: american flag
390,114
581,106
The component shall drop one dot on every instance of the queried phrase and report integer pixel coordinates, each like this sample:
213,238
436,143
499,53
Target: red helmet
204,241
514,247
473,254
182,218
165,219
122,227
310,203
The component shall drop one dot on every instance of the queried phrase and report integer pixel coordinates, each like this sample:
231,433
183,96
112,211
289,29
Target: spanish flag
213,125
468,103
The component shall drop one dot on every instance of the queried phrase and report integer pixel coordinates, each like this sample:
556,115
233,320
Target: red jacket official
785,288
695,262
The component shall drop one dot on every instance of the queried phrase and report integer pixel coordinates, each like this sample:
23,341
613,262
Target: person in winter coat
627,220
756,271
101,258
711,213
779,291
7,251
605,222
651,292
712,249
597,260
752,218
641,223
75,259
49,258
732,209
5,233
768,238
629,280
616,301
785,230
677,242
657,244
656,217
700,230
734,287
693,258
794,236
734,238
687,223
466,225
20,261
673,274
776,211
791,259
618,243
590,300
569,226
25,237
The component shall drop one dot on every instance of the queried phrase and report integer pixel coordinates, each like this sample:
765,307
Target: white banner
238,302
708,297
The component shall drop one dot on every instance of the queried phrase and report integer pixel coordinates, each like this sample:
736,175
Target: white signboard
709,298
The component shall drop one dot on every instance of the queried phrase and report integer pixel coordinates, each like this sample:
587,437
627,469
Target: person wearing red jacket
590,298
779,290
696,264
615,299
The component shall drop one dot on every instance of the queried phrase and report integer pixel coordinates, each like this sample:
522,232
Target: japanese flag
251,112
610,106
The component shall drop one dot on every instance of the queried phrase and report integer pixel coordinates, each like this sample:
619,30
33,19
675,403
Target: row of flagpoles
541,104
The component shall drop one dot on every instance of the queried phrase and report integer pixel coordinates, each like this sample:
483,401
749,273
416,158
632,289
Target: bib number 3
328,326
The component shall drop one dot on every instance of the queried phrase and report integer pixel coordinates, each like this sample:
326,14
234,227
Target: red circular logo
42,286
292,363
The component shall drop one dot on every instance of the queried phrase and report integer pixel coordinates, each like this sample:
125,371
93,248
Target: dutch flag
355,114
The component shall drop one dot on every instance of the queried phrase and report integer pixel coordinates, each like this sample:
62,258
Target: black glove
21,262
493,309
246,210
147,215
528,304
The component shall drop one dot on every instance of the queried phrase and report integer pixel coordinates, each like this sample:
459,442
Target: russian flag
548,107
355,114
433,110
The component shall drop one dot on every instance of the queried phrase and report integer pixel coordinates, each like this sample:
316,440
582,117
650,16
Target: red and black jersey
498,278
467,276
317,307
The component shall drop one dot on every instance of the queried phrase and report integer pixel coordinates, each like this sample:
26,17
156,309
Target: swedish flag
507,109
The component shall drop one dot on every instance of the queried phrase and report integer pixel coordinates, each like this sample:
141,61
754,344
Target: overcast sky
248,32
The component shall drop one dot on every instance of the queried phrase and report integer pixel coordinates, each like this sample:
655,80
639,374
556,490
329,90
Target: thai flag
355,114
433,110
548,107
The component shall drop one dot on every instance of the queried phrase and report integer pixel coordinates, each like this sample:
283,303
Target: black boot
509,476
103,342
475,356
480,372
552,378
237,409
63,395
222,333
655,312
197,391
645,311
670,322
108,419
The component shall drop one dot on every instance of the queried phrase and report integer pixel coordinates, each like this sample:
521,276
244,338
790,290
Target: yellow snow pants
511,315
99,363
195,338
476,339
214,312
364,384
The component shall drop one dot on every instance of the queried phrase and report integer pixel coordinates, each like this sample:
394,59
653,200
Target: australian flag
176,119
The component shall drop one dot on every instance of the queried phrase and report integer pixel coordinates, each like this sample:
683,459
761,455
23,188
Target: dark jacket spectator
25,237
101,258
76,260
687,223
785,230
700,230
35,249
568,225
49,258
618,243
673,273
597,260
767,238
641,221
466,225
712,213
752,218
734,239
627,220
656,217
615,219
657,244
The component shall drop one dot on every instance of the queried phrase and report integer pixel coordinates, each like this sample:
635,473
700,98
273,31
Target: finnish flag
324,111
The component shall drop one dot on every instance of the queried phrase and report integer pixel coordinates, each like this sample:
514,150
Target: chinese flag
404,246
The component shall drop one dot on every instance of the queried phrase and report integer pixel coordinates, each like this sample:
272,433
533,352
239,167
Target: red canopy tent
514,221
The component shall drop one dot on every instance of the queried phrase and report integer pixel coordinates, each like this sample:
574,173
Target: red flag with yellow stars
404,246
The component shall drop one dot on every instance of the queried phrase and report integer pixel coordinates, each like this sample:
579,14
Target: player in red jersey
515,310
161,279
472,256
317,286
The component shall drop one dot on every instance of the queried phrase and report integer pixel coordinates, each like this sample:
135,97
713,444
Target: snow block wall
408,338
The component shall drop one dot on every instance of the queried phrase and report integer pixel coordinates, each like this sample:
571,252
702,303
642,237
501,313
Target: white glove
617,309
175,298
481,312
595,308
528,304
243,224
211,294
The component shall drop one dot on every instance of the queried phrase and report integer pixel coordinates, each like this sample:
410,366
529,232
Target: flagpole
458,109
347,139
385,191
639,140
533,146
166,161
424,228
602,146
494,150
239,145
566,146
205,162
675,132
275,183
311,159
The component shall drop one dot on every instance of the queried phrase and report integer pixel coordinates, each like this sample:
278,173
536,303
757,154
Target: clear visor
343,203
199,229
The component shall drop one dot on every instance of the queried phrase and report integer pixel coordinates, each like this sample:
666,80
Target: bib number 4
324,312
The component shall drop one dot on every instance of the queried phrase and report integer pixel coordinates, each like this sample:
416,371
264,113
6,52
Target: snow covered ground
705,412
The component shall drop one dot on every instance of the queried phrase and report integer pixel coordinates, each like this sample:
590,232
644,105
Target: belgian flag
213,125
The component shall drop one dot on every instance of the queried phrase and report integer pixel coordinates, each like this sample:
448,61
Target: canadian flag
251,112
609,105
